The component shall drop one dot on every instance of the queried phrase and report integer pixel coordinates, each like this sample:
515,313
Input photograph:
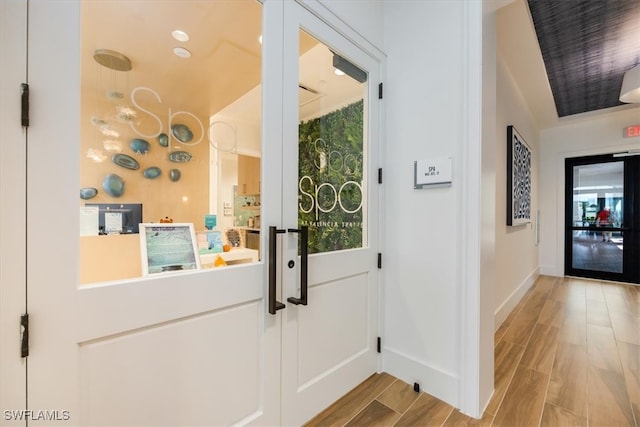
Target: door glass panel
332,183
171,124
598,201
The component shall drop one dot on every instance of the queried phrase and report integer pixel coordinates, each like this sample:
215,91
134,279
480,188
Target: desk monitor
119,218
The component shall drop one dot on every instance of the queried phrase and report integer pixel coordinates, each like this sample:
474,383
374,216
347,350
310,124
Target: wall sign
631,131
431,172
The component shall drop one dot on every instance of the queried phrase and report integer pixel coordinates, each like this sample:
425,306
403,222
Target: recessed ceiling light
180,35
182,52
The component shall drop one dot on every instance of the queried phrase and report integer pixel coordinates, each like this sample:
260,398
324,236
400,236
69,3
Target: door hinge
24,332
379,175
379,260
25,105
379,345
380,91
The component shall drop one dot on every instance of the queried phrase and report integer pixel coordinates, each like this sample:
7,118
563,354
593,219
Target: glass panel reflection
598,201
331,148
170,116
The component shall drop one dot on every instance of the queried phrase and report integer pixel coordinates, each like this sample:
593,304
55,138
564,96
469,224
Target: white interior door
330,187
110,346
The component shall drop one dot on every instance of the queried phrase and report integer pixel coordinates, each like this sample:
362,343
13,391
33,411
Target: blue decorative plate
174,175
163,139
152,172
140,146
182,133
180,156
87,193
113,185
125,161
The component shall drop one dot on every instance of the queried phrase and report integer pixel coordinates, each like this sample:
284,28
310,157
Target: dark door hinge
379,175
25,105
379,260
379,345
380,91
24,331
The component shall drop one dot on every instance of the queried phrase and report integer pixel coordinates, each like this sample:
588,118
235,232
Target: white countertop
241,227
235,255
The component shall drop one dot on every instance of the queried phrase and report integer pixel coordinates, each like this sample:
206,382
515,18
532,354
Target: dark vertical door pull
304,262
24,342
274,304
24,104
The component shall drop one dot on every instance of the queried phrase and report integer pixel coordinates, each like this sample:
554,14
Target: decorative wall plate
174,175
152,172
125,161
163,140
180,156
140,146
182,133
87,193
113,185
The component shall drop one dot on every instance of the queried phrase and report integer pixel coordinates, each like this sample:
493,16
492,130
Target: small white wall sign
436,171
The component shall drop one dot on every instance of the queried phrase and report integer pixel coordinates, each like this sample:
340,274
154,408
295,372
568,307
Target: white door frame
13,148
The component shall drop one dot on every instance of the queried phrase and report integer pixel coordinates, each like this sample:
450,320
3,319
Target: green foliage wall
330,195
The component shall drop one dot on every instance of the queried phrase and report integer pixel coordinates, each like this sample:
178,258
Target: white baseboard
550,270
508,305
438,383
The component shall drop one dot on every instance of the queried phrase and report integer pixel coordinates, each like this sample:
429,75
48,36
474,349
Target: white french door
200,347
330,152
189,348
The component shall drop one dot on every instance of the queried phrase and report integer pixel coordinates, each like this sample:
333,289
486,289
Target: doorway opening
601,225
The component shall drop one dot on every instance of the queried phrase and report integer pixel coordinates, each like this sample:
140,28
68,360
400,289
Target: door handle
274,304
304,262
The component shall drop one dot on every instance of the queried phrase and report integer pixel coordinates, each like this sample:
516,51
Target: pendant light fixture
630,91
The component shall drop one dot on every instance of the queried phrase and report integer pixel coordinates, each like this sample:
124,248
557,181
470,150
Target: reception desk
117,257
234,256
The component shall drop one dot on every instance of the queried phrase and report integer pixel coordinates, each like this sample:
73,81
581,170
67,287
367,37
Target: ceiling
224,43
568,57
223,73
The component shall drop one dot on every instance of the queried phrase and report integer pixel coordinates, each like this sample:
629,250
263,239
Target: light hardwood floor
567,355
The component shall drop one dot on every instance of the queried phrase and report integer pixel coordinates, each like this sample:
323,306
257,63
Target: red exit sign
631,131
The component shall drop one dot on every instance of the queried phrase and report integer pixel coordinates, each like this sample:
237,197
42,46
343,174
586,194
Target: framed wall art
168,247
518,179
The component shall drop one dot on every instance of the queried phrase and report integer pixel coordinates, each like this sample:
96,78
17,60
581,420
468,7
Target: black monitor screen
118,217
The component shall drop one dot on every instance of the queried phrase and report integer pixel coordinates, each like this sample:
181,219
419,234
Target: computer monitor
120,218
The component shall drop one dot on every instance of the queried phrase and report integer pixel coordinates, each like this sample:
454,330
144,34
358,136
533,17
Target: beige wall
516,248
104,258
186,200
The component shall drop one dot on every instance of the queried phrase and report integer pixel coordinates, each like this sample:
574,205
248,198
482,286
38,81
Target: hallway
567,355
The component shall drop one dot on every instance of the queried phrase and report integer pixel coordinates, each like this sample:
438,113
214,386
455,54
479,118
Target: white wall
582,137
364,17
431,253
422,232
516,249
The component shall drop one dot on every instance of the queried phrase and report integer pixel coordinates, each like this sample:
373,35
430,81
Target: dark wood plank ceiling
587,45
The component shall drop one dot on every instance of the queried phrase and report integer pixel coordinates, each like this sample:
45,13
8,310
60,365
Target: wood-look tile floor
567,355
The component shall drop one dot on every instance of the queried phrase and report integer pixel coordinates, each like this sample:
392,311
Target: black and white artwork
518,179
